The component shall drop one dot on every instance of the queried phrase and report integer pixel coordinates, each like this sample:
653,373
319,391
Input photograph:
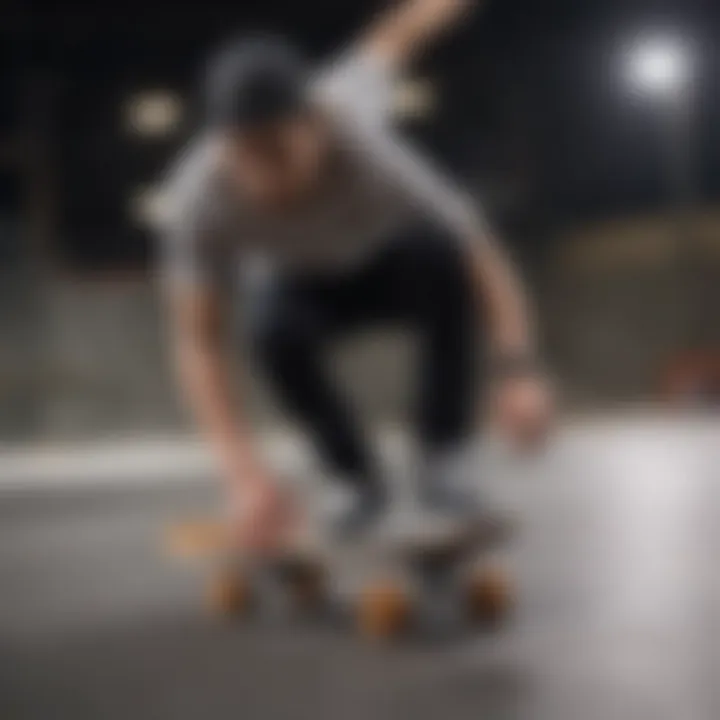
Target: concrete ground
618,612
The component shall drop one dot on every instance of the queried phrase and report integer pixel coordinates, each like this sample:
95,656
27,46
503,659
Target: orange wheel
229,594
489,594
383,612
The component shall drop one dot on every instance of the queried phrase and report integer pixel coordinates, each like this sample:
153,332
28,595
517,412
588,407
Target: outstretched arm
406,28
523,401
193,268
257,512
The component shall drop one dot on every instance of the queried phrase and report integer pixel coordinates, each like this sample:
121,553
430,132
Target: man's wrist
507,365
238,458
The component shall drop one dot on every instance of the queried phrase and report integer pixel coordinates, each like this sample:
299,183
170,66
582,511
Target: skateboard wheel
489,595
384,612
229,595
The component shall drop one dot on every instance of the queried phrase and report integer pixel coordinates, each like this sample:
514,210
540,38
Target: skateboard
420,584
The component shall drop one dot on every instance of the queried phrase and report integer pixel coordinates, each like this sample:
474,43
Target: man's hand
261,514
259,511
523,408
522,401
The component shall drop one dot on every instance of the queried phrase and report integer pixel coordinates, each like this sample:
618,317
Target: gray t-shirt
379,186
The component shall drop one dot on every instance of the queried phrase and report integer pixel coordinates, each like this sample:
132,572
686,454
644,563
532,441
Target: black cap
253,81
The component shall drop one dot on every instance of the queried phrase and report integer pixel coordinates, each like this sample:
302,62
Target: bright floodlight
659,67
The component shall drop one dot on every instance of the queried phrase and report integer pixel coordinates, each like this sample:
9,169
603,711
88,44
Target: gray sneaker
449,493
446,486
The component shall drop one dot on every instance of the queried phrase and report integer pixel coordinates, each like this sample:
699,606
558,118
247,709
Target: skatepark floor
617,614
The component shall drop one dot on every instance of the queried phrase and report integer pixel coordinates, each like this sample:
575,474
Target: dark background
530,104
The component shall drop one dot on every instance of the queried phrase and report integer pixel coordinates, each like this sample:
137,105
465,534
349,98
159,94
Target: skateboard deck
434,583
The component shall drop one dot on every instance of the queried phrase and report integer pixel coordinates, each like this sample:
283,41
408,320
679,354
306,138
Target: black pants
420,282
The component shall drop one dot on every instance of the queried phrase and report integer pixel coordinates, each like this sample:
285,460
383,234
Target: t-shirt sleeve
190,254
428,190
358,84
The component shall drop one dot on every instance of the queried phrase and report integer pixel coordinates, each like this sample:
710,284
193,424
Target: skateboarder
299,185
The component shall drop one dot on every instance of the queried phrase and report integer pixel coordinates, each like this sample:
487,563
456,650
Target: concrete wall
80,359
625,297
86,359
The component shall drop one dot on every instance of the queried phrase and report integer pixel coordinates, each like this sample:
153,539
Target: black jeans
420,282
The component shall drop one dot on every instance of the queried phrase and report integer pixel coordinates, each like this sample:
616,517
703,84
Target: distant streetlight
153,114
660,67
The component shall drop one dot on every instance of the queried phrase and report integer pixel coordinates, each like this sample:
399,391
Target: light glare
659,67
